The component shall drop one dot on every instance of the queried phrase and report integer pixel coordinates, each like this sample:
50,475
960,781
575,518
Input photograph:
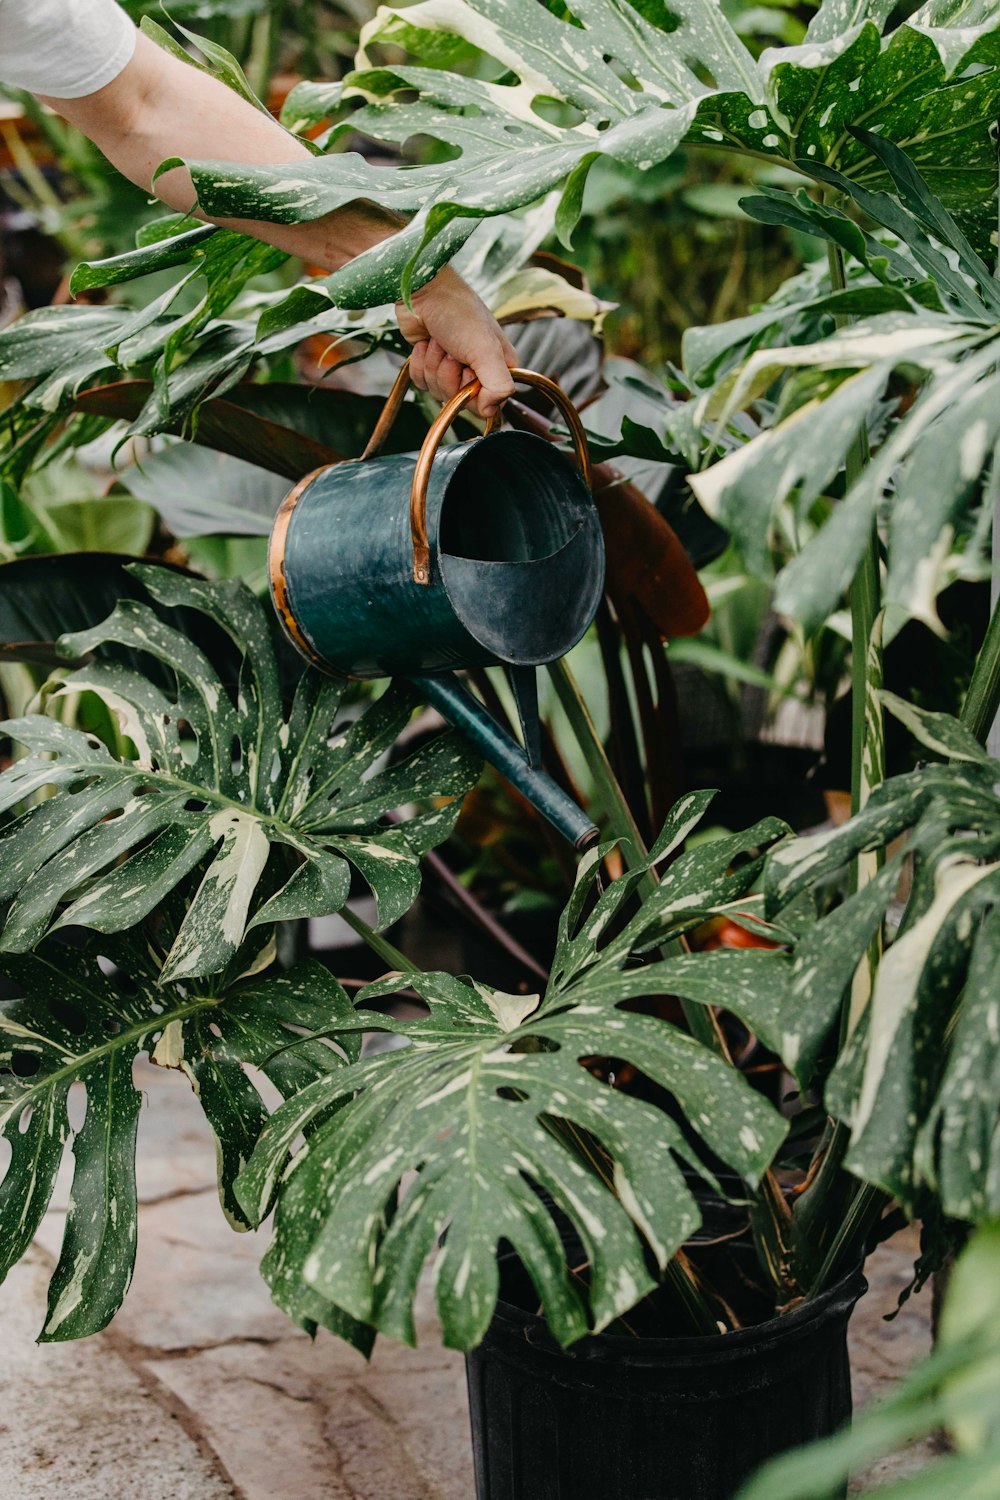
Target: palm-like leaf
267,812
919,1081
492,1101
77,1024
635,80
933,323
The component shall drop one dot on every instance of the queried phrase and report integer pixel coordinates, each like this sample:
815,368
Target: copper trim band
276,567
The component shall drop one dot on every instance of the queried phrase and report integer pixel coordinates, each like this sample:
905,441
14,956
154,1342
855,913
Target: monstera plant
583,1128
235,802
142,893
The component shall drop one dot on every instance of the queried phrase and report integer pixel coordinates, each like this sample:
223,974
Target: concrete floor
201,1389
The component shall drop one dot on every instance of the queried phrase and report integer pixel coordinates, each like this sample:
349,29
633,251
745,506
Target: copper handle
438,428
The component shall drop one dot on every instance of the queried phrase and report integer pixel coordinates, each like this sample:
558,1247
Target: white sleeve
63,48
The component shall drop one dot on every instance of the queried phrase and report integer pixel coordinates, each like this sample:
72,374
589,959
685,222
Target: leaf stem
859,1219
622,826
867,771
377,943
982,701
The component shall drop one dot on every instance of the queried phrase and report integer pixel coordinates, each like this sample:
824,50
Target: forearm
137,122
159,107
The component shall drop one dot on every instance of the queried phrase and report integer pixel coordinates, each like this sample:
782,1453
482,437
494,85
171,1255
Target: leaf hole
236,754
24,1122
67,1015
215,1029
189,743
195,805
623,73
124,983
24,1064
557,112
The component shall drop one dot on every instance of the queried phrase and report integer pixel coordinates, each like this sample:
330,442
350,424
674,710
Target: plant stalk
623,827
867,772
377,943
982,701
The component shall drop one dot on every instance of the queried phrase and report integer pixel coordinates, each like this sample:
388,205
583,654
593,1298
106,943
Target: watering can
479,553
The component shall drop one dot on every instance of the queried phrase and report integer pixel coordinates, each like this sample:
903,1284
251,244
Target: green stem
377,943
621,824
867,771
267,48
982,701
680,1278
860,1218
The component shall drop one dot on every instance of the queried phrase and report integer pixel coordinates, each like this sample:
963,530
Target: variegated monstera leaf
491,1101
260,813
923,317
919,1080
557,86
82,1019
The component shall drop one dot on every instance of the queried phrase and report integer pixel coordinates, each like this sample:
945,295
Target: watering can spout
464,712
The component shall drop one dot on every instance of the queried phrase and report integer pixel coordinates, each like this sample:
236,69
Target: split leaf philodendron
917,1081
635,80
83,1017
491,1100
268,809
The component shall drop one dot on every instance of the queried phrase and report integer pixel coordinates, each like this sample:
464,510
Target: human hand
456,340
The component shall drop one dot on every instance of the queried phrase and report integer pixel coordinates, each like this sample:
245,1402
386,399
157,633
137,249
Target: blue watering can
480,553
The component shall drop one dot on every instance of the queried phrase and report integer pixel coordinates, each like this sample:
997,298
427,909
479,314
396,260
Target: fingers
435,371
417,357
456,340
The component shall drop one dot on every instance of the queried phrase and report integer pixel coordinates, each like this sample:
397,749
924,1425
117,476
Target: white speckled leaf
485,1105
267,813
638,90
76,1025
918,1082
466,1103
958,1147
934,475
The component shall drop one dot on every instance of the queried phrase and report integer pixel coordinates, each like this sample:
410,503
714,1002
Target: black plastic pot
653,1419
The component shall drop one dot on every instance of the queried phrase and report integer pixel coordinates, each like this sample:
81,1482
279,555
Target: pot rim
840,1298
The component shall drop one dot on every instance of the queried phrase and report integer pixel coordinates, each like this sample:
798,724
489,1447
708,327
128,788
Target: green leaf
956,1386
41,598
938,732
957,1150
491,1100
252,793
638,86
918,1081
480,1104
79,1022
198,492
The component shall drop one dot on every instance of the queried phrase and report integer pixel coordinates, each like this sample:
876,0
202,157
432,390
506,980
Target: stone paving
201,1389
